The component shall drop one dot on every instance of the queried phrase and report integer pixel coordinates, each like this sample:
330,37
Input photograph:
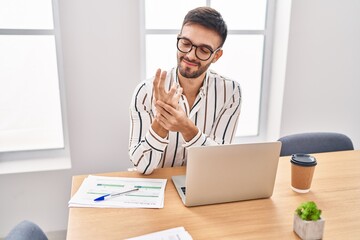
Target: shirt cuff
198,140
155,141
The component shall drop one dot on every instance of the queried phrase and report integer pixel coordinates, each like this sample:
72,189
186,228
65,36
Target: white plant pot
309,230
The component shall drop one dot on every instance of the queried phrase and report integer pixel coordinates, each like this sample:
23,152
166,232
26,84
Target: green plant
308,211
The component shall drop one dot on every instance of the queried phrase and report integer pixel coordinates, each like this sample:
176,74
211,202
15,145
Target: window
31,109
247,49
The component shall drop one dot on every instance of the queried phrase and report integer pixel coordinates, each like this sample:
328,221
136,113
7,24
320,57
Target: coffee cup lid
302,159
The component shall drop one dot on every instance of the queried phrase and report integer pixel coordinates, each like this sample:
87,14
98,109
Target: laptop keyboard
184,190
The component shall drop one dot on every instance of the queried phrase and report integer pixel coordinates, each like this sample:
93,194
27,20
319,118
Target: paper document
150,193
178,233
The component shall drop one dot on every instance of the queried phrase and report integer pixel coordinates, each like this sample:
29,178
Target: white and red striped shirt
215,112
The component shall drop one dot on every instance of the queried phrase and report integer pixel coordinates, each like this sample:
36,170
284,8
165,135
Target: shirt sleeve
225,125
146,148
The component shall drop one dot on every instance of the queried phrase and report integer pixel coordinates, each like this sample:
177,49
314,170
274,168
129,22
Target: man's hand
175,119
170,97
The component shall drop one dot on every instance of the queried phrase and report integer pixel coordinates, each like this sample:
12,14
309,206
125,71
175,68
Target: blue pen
106,196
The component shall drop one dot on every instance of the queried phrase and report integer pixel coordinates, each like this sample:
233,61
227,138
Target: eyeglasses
201,52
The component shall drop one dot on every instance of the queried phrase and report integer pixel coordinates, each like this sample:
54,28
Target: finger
161,111
178,94
162,123
174,96
166,108
172,91
162,82
162,118
157,77
167,123
156,82
157,74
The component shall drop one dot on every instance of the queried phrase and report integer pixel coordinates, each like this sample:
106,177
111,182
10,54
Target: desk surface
335,188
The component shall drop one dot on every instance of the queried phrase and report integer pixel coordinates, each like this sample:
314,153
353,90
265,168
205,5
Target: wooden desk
335,188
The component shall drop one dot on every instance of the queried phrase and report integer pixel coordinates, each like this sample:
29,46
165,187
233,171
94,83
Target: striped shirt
215,112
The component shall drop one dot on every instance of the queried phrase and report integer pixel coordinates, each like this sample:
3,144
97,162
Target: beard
188,73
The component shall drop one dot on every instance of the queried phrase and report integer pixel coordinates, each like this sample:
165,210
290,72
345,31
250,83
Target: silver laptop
228,173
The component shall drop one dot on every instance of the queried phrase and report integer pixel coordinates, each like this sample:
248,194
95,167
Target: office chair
314,142
26,230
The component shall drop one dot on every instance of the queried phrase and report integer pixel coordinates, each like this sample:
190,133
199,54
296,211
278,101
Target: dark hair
209,18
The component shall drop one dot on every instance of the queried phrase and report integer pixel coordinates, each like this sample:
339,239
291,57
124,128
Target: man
188,106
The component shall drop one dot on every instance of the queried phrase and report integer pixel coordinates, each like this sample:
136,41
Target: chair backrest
26,230
314,142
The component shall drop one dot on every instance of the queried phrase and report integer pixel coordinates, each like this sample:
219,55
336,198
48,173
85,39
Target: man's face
188,64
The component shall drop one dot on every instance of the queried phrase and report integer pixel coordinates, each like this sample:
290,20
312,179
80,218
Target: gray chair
314,142
26,230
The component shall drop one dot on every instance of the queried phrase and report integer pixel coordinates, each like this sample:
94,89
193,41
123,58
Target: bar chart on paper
119,192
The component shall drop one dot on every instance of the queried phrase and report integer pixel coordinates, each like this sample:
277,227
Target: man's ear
218,54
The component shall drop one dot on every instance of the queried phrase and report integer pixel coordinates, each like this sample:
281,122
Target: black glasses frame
196,47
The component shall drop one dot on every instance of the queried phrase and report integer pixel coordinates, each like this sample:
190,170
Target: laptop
228,173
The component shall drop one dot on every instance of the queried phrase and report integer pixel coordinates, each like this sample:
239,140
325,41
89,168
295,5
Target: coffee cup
302,171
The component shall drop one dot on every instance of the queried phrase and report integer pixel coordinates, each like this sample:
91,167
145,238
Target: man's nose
192,54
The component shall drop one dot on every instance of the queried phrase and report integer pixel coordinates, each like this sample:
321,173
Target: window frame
268,33
42,159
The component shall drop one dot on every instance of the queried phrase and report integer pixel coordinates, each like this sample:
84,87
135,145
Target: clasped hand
169,115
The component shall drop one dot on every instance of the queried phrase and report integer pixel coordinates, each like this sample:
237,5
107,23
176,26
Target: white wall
100,41
102,66
322,74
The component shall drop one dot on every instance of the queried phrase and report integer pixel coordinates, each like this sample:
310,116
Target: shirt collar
202,92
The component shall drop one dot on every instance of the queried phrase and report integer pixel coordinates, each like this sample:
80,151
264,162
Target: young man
188,106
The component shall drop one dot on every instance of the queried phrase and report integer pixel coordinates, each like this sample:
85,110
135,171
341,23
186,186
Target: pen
106,196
